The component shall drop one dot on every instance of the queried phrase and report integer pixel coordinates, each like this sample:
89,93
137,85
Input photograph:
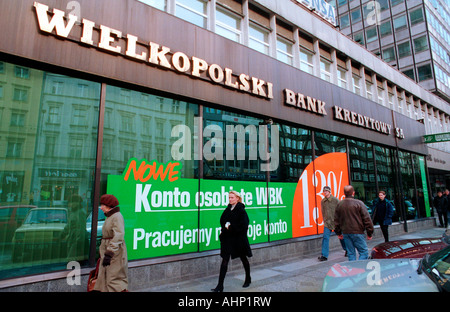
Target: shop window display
386,175
408,182
295,153
47,169
362,170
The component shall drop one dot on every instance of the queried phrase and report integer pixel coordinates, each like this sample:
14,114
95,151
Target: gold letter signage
356,119
111,40
305,103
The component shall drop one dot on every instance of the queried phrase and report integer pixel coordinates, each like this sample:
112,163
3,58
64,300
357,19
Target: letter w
56,22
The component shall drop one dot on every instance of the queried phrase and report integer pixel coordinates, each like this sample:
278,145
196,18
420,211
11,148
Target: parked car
40,236
429,274
410,248
11,217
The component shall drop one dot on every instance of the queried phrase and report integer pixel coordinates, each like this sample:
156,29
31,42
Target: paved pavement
303,274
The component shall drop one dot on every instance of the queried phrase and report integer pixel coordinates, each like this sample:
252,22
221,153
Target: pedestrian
350,221
113,268
328,206
75,231
382,213
440,203
234,243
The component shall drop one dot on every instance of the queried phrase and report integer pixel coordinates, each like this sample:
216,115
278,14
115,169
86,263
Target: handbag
93,277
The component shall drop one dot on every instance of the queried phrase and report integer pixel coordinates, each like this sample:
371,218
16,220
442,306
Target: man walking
440,203
351,220
383,210
328,205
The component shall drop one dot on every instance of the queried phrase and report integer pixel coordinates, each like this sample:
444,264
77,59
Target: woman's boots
223,272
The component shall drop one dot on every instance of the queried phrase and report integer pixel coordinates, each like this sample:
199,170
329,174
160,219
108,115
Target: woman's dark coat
387,220
234,240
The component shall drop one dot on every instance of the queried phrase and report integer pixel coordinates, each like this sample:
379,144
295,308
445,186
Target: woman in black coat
233,238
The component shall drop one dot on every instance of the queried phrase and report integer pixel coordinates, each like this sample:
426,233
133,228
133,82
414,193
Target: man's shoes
322,258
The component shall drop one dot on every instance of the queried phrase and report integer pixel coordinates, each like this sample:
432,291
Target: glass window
362,171
144,130
46,172
408,210
22,72
147,127
384,4
385,28
395,2
420,44
328,143
416,16
367,9
380,96
258,38
369,92
325,70
284,51
359,37
389,54
332,3
344,21
356,86
391,100
231,164
306,61
409,73
356,15
193,11
159,4
371,34
20,94
238,162
424,72
342,2
400,23
404,49
386,176
295,152
418,199
342,80
228,24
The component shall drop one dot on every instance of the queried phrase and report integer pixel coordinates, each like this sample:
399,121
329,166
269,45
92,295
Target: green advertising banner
423,175
164,217
167,215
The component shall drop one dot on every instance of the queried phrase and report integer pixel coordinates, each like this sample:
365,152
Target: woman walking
113,269
233,238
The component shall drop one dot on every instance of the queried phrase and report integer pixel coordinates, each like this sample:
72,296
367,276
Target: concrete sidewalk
302,274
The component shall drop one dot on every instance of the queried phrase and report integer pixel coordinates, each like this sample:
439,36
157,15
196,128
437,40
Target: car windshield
46,216
438,266
101,216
